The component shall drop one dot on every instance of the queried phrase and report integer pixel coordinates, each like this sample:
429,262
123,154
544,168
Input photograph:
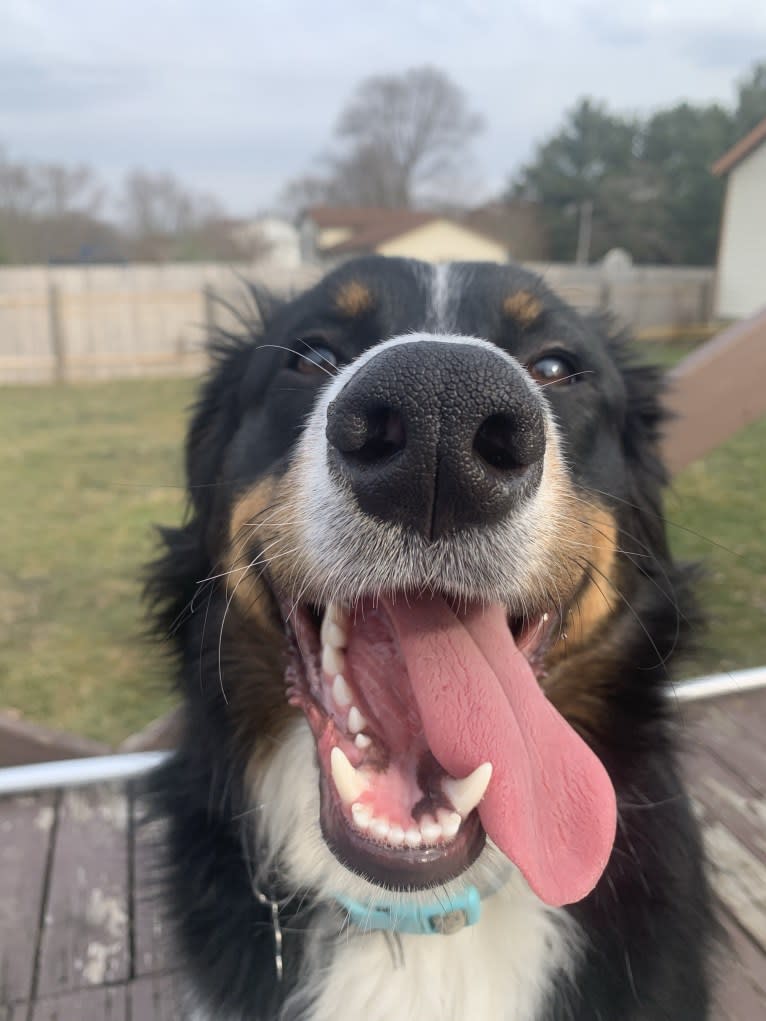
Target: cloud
236,97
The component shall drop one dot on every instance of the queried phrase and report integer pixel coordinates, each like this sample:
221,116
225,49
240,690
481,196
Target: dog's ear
641,438
172,579
216,412
214,421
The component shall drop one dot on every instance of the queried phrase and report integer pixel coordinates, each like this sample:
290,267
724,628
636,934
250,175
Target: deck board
83,938
104,1003
153,951
26,830
156,998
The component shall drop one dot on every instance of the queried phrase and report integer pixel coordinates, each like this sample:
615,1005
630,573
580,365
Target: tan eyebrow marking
353,298
523,307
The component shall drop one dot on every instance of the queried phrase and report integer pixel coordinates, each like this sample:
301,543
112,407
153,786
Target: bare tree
167,220
19,188
401,138
66,190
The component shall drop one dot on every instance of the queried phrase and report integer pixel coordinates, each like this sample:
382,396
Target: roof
743,148
370,225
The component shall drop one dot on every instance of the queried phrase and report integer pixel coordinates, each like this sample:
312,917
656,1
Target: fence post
604,294
706,301
208,300
55,333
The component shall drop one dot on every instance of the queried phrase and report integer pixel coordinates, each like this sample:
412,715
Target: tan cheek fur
257,702
578,678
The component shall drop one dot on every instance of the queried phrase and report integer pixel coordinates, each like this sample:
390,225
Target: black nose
437,436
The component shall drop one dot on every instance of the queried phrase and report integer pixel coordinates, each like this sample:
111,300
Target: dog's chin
387,811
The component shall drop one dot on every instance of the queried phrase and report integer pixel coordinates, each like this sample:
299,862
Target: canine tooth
362,815
335,614
356,721
333,661
341,691
430,830
396,836
449,822
332,634
362,741
412,837
380,828
347,780
466,794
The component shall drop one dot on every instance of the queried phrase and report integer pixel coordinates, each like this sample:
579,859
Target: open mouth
432,732
389,810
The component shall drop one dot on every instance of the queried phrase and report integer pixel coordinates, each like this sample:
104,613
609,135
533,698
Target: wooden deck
82,939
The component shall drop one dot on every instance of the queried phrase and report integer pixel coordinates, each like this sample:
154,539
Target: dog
424,613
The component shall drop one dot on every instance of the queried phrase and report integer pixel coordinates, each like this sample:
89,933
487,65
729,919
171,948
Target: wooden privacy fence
138,334
109,322
70,323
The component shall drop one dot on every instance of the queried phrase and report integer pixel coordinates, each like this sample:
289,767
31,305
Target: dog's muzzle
438,436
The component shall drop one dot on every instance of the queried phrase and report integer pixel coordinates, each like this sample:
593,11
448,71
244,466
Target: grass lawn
85,471
669,353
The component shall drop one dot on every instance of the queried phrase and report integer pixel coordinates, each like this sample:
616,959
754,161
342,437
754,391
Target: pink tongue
550,806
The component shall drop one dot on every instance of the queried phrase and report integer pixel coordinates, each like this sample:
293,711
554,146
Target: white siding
741,288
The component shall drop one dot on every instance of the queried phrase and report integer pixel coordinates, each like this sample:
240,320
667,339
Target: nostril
369,436
385,436
496,443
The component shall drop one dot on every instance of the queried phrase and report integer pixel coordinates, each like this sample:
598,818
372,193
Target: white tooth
356,721
430,830
545,616
333,634
349,782
380,828
466,794
362,815
412,837
333,661
341,691
449,822
396,836
335,614
362,741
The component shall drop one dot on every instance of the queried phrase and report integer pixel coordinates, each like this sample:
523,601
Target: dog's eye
314,358
553,369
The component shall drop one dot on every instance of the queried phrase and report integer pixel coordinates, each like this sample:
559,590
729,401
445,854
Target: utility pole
584,232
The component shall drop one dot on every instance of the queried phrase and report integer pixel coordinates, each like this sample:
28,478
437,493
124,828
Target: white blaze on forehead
439,295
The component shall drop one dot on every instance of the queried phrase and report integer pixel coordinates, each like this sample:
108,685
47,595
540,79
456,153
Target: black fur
647,922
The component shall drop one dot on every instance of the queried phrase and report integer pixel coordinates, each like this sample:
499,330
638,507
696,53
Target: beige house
331,234
741,270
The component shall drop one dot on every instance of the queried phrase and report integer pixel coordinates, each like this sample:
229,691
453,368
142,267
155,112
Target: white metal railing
101,768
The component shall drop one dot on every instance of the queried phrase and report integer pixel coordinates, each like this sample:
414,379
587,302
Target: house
741,270
331,234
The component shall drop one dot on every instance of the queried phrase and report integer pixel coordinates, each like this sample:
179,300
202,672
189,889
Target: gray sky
236,97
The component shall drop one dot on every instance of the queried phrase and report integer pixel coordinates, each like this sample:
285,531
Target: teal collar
442,916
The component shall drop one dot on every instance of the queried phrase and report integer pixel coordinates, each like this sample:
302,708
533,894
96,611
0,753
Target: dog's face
414,489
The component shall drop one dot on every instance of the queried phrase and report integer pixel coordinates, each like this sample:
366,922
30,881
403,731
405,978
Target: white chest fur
498,970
